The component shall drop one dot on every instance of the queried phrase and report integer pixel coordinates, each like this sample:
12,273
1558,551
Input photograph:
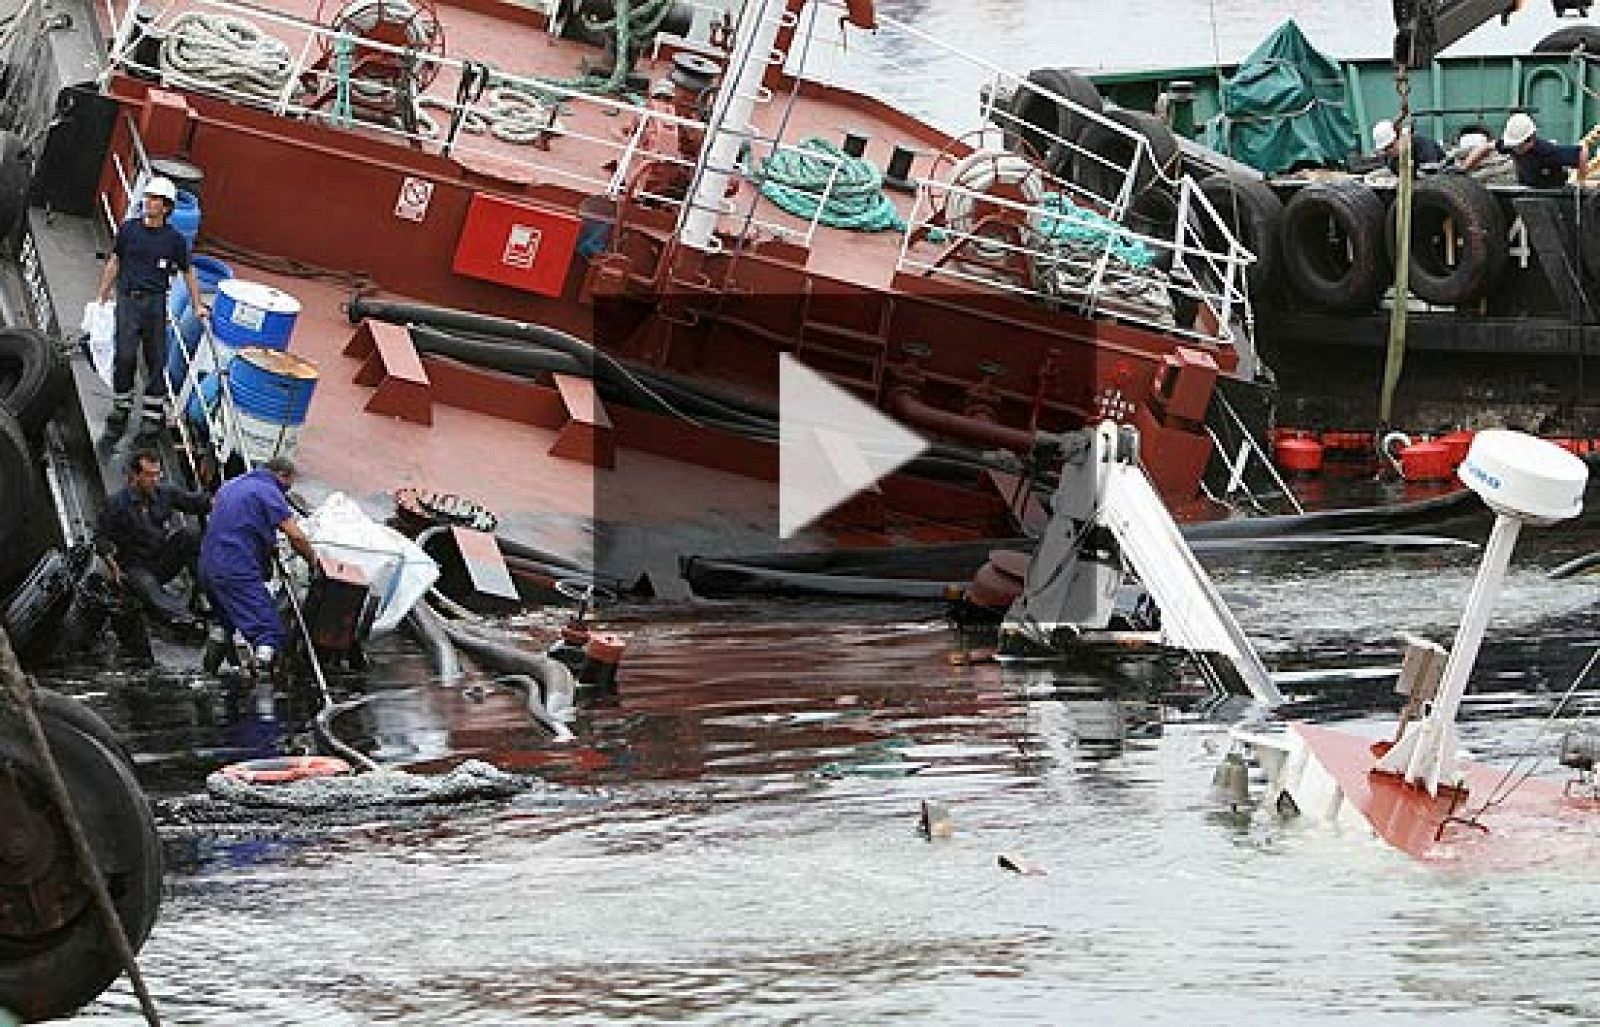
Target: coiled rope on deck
1065,223
818,180
223,51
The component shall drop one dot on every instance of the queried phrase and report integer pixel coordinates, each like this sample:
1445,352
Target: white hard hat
1519,129
1383,135
162,187
1472,140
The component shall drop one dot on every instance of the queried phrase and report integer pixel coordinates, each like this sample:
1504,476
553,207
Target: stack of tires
1330,247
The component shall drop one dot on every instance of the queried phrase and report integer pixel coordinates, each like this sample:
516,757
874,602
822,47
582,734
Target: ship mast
754,47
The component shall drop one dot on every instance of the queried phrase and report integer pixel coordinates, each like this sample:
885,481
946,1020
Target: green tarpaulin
1284,107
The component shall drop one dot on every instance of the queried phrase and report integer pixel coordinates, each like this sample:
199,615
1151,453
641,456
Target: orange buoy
282,769
1426,461
1299,454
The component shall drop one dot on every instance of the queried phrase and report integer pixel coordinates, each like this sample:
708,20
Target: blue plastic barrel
210,273
186,216
252,314
271,391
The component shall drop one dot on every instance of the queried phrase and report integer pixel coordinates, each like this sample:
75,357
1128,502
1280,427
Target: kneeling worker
145,544
1386,141
236,560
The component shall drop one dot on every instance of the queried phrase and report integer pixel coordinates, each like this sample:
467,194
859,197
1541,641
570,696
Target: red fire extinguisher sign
516,244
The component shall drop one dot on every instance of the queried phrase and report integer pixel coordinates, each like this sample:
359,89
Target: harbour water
735,838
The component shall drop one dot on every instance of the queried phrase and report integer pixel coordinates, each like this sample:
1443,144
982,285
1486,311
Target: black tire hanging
1039,114
16,475
1116,150
15,174
1589,238
1332,246
1155,214
33,378
1459,213
1573,37
58,958
1254,214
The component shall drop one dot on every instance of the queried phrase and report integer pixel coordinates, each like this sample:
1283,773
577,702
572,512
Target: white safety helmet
1383,135
1519,129
1472,140
162,187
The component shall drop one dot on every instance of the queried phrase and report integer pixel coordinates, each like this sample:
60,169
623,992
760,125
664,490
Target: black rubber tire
1480,231
56,973
1117,150
1254,214
1573,37
1155,214
1332,246
16,475
15,173
36,375
34,611
1040,114
1589,237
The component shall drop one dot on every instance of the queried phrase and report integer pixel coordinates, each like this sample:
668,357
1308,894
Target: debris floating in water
1018,865
936,822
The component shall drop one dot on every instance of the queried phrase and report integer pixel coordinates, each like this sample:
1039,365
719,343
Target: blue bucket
271,391
210,273
252,314
186,216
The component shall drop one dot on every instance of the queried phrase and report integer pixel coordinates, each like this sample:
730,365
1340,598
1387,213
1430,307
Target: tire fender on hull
1109,152
1332,246
1039,114
33,377
1254,214
50,973
1452,212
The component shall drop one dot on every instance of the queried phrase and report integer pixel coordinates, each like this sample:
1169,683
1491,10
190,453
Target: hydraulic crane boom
1424,27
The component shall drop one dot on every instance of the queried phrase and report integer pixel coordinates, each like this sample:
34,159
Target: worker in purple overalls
236,561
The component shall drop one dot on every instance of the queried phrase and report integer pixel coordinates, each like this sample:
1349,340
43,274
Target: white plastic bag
398,571
100,325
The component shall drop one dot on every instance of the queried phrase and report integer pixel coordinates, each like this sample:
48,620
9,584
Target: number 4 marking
1519,242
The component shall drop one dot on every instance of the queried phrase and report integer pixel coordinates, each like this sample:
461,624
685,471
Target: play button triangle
831,446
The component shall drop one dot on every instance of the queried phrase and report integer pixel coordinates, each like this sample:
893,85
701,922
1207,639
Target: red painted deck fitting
587,436
1536,823
486,565
394,370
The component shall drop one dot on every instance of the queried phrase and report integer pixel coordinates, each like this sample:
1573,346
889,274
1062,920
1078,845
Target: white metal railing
304,39
1089,276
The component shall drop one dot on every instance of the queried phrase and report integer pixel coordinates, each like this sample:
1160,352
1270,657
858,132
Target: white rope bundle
510,113
222,51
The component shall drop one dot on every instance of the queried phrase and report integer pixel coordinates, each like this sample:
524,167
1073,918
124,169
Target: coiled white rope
225,52
513,114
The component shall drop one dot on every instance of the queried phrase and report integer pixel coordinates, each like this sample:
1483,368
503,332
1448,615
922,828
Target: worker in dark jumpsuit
236,561
145,544
145,255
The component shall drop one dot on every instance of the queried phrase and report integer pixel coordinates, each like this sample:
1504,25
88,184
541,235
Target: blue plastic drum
272,392
210,273
186,216
252,314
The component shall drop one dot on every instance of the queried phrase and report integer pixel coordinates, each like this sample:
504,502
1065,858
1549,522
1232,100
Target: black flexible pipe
522,360
1575,567
427,627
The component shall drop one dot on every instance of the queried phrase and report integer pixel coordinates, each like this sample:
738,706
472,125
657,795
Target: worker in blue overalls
146,254
236,561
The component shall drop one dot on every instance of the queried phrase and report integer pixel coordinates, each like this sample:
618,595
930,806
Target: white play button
830,446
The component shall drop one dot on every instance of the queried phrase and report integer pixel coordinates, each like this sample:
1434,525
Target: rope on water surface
798,181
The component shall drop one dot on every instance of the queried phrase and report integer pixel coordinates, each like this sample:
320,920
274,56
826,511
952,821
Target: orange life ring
281,769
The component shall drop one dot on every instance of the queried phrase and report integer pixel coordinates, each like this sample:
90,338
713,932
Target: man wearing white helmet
1540,163
146,254
1386,140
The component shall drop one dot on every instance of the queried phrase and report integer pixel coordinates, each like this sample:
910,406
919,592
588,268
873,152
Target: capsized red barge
642,227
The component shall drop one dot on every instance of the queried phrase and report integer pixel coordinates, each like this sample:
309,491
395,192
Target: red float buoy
1298,455
1457,442
1426,461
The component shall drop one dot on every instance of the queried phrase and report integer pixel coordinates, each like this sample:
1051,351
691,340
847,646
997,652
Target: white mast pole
754,48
